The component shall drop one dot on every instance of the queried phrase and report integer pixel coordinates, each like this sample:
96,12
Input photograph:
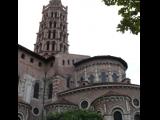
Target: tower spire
52,37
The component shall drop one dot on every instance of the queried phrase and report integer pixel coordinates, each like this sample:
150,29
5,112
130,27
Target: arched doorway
117,115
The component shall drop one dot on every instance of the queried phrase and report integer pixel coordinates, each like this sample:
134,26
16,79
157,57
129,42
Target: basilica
50,79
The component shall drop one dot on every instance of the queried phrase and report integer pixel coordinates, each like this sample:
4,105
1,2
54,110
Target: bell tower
52,37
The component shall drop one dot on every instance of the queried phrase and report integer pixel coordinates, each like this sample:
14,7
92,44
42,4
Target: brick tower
52,37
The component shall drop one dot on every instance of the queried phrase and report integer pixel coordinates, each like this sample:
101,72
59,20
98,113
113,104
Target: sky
92,31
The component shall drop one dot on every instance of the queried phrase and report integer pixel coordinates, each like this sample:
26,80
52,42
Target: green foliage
75,115
130,12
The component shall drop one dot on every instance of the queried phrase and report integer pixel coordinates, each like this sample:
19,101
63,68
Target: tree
75,115
130,12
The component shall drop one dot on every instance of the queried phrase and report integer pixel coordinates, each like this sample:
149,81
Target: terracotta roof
61,101
102,57
35,54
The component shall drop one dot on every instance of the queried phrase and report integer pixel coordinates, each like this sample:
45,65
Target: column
96,74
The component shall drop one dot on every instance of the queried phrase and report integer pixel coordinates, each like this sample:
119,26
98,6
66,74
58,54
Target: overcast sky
92,31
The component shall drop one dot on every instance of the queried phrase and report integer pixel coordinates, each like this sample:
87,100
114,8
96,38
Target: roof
35,54
102,57
61,101
110,93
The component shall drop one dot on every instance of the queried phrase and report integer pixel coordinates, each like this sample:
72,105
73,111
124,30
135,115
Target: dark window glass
35,111
54,34
103,77
84,104
82,78
50,24
39,64
23,56
51,14
117,115
50,91
49,34
54,24
91,78
115,77
136,102
36,90
68,62
53,46
47,46
68,82
31,60
63,62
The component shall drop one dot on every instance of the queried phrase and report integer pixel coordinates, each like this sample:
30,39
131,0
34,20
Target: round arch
117,113
20,116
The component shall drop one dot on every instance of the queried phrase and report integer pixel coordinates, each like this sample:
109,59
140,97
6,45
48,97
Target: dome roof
108,57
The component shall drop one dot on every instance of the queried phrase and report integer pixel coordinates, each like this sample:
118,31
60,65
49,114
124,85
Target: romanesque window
82,78
68,62
51,14
68,81
103,77
64,27
91,78
55,14
115,77
31,60
50,24
117,115
47,45
50,91
53,45
49,34
54,34
23,56
36,90
39,64
54,24
63,62
137,117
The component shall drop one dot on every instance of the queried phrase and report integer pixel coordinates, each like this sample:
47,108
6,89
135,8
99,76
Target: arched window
49,34
54,24
117,115
51,14
137,117
50,24
54,34
47,45
63,62
53,45
50,91
36,90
